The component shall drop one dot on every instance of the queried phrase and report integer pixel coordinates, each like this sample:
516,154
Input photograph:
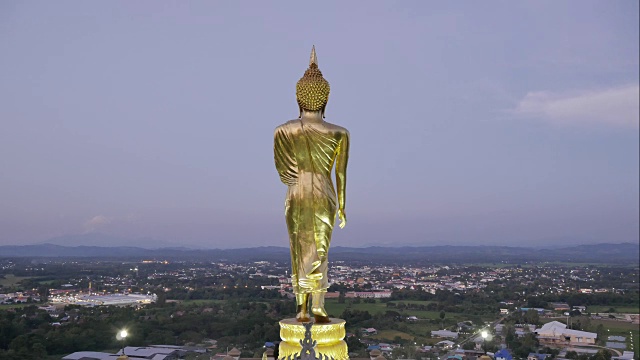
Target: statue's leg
317,307
302,301
292,215
323,237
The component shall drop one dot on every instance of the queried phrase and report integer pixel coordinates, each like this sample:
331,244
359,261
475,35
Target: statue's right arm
284,156
341,176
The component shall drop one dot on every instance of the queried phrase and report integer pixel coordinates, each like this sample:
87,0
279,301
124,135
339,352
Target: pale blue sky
500,122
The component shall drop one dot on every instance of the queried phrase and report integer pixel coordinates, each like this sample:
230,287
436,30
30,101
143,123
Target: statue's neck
311,116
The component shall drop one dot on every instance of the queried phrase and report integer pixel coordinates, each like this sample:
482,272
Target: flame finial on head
314,58
312,90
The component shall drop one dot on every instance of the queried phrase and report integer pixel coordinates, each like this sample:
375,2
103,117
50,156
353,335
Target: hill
625,253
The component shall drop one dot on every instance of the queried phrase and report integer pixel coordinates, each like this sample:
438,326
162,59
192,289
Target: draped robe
304,154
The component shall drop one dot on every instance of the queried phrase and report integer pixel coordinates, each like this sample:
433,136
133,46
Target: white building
556,334
445,344
444,334
155,352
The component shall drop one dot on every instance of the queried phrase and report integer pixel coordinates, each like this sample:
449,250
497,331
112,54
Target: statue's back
311,146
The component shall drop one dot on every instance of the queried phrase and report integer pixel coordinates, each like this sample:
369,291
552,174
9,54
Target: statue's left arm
284,156
341,176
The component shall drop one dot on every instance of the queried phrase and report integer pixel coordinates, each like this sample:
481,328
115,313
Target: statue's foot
317,308
302,317
320,315
320,319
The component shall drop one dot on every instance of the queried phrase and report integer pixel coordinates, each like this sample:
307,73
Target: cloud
96,222
619,106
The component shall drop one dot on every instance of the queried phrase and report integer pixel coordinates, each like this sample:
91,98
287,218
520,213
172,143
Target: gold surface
329,338
312,90
292,331
305,151
338,351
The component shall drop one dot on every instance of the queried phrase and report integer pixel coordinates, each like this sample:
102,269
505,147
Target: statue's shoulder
337,128
288,125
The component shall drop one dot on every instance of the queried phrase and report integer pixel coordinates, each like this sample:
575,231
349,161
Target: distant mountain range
106,240
625,253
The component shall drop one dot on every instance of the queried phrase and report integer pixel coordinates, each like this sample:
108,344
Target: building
445,344
90,355
626,355
503,354
560,306
556,334
109,299
539,310
369,331
536,356
155,352
368,294
444,334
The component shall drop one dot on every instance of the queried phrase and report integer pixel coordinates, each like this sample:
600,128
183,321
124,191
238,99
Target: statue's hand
343,218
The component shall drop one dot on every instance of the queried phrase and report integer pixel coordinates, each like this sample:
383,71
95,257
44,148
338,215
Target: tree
398,340
442,315
161,298
602,333
39,351
160,337
354,344
571,355
552,352
43,291
532,317
602,355
399,353
354,317
528,343
392,314
469,345
510,337
194,356
341,298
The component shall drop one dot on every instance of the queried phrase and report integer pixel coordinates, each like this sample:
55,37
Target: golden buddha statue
305,151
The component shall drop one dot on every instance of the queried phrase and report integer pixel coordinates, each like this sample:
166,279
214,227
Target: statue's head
312,90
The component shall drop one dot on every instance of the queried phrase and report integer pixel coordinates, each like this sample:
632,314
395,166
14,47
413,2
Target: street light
121,336
484,335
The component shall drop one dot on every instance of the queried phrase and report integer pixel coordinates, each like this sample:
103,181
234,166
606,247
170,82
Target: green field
391,334
335,309
46,282
13,306
619,309
10,280
417,302
616,326
202,302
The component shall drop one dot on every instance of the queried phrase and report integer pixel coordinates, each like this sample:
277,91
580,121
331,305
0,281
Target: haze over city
508,123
